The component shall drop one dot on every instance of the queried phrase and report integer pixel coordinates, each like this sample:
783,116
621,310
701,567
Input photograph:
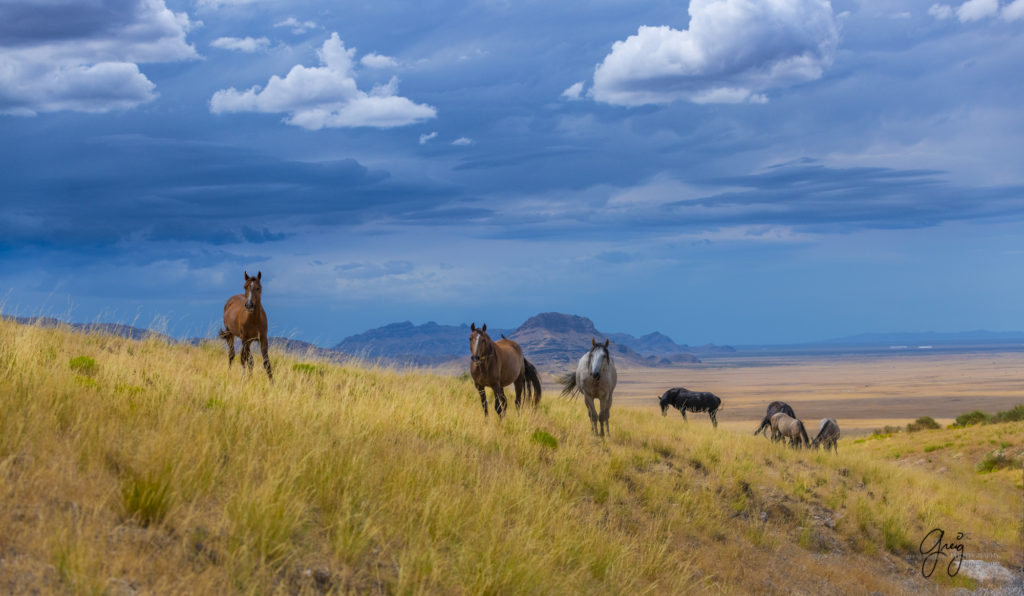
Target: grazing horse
595,378
773,408
828,435
683,399
785,426
496,364
245,319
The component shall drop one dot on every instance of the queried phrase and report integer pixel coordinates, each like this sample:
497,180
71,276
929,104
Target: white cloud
941,11
975,10
574,91
325,96
733,50
297,27
424,139
1013,11
86,60
373,60
248,45
462,142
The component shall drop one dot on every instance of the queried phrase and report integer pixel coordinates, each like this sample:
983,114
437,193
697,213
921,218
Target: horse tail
764,423
803,433
532,381
225,334
568,383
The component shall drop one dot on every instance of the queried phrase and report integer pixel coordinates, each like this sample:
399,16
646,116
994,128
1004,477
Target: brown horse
496,364
245,318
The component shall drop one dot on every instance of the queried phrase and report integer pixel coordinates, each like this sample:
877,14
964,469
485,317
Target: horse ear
246,274
606,342
484,328
593,342
259,275
472,326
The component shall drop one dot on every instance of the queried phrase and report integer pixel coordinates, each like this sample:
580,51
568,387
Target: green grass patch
307,369
544,438
146,498
83,365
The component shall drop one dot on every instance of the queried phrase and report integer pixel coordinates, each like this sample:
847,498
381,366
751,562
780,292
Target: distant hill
979,336
425,345
117,329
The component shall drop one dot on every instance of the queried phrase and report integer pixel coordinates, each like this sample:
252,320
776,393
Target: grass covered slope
147,466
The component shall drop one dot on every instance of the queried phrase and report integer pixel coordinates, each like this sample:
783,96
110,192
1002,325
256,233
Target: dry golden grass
158,470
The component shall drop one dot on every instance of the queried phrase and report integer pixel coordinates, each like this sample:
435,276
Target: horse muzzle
249,306
474,358
597,376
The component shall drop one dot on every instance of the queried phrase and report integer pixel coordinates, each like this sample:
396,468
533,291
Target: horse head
253,289
597,361
480,345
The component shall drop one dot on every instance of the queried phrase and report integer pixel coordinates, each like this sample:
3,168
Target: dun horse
245,319
496,364
785,426
595,378
774,408
828,435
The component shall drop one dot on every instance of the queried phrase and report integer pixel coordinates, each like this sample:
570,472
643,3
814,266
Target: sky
727,171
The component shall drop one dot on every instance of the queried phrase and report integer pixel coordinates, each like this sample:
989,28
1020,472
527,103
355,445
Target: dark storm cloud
34,22
114,189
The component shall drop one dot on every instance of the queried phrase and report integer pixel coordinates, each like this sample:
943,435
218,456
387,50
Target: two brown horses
496,364
245,319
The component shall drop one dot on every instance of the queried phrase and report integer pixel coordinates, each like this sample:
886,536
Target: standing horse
683,399
774,408
245,319
785,426
496,364
595,378
828,435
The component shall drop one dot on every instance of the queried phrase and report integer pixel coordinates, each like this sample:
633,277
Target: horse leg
606,407
714,420
683,412
500,403
264,345
245,358
483,397
591,411
520,384
231,349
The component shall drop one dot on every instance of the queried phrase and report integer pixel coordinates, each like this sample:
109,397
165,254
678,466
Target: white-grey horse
594,378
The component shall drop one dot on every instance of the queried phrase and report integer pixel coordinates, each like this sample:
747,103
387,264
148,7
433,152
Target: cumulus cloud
975,10
732,52
373,60
248,45
297,27
574,91
325,96
462,142
424,139
1013,11
85,56
941,11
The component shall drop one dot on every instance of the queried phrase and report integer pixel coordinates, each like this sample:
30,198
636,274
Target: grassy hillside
145,466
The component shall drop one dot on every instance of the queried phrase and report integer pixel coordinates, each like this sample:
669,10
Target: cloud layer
84,57
326,96
733,51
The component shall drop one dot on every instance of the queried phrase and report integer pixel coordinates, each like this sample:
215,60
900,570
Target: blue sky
728,171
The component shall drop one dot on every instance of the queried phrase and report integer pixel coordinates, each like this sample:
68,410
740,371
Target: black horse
774,408
683,399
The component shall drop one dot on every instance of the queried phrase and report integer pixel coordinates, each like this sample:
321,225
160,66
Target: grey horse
785,426
828,435
594,378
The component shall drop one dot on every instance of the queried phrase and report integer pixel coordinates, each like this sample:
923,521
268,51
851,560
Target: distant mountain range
930,337
548,340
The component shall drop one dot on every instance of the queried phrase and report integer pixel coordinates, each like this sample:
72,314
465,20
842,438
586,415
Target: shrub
307,369
971,418
544,438
886,431
996,460
923,423
1014,414
83,364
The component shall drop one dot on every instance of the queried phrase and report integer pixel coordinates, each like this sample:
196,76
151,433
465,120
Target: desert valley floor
862,392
